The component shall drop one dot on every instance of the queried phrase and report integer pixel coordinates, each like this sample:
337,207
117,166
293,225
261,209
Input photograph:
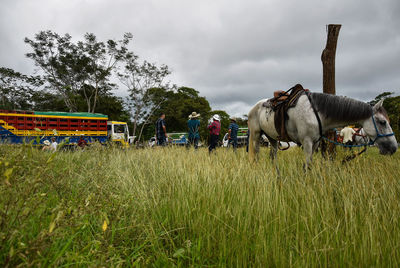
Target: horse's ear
378,105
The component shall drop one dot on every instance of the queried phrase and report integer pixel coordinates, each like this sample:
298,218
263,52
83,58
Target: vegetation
78,75
177,207
178,105
70,69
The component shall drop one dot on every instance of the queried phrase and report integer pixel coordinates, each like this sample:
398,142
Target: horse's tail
254,129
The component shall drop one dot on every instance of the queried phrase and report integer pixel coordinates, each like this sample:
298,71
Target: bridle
379,135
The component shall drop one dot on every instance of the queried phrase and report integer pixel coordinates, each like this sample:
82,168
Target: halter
379,135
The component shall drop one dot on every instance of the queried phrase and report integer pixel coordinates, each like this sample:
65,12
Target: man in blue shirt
193,126
161,131
232,133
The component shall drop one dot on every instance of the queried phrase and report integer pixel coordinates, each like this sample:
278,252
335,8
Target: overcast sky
233,52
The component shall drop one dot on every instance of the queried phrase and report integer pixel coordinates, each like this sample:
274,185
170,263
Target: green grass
172,207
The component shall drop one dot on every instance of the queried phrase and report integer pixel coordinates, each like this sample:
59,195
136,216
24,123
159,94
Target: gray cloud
234,52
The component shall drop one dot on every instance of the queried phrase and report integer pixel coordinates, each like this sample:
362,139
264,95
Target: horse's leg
308,148
274,149
315,146
272,154
254,144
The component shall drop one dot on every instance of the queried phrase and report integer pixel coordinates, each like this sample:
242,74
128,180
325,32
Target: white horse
360,138
313,115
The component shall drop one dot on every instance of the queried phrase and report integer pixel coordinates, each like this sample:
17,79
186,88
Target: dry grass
173,207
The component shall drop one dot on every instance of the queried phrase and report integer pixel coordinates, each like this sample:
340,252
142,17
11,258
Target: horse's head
379,130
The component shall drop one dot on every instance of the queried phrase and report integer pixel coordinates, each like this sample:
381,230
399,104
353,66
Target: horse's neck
328,123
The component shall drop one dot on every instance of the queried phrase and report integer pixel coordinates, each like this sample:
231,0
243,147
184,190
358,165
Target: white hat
232,118
194,115
46,142
216,117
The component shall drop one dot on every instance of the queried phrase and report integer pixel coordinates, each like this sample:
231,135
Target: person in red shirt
214,128
82,143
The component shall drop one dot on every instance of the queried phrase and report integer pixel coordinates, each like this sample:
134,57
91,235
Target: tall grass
176,207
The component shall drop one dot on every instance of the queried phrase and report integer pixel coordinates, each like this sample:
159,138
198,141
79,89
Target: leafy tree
71,68
177,106
16,89
100,59
139,79
242,121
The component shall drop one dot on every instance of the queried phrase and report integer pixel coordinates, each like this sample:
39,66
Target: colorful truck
176,138
180,138
18,127
242,138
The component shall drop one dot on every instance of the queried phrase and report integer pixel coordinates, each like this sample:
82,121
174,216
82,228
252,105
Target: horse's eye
382,122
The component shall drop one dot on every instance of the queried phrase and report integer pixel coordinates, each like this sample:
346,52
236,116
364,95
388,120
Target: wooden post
328,59
328,64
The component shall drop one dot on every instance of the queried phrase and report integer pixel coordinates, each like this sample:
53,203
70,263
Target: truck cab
118,132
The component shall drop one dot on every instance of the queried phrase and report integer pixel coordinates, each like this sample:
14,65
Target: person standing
82,143
53,145
193,126
347,134
161,131
232,133
214,128
46,146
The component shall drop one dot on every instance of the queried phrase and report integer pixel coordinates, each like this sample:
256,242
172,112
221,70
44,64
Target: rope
351,157
346,145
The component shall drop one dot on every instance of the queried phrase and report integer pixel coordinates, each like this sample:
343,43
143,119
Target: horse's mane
341,108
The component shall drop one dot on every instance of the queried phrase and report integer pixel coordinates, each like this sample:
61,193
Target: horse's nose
388,148
393,149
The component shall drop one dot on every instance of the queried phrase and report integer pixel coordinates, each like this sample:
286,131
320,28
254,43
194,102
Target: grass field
173,207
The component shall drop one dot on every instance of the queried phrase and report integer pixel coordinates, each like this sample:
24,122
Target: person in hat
161,131
214,128
232,133
46,145
193,126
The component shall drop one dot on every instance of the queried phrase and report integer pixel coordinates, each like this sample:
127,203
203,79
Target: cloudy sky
233,52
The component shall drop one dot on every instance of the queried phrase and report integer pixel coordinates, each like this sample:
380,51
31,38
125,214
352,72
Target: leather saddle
280,104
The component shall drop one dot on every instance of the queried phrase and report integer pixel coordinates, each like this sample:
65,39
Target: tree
178,105
69,68
139,78
100,60
16,89
242,121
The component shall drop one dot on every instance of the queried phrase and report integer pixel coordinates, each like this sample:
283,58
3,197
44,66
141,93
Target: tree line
81,76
